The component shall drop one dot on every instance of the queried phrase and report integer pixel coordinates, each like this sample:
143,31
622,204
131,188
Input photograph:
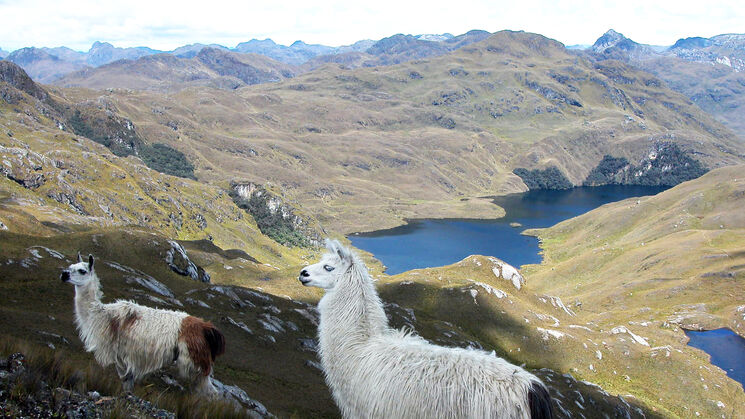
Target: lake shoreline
431,242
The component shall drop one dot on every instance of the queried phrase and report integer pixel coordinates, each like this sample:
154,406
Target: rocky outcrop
14,75
253,408
42,400
179,262
274,217
22,166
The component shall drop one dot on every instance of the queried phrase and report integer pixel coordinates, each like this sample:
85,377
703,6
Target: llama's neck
353,312
86,296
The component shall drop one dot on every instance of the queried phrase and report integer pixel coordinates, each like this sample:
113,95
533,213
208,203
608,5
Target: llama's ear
90,262
80,258
331,245
334,246
344,254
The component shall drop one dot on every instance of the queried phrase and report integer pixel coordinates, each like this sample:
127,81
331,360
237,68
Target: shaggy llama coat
378,372
138,340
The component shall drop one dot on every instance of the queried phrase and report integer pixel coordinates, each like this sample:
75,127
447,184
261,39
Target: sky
168,24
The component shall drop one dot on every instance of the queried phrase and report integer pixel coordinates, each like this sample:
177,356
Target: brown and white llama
139,340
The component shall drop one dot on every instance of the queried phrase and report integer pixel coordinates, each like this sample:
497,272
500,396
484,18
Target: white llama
378,372
139,340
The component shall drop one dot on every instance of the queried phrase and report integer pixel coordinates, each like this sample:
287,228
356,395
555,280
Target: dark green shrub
167,160
271,223
607,171
549,178
116,133
669,166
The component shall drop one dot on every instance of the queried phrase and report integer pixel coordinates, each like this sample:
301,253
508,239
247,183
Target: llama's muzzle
304,274
65,276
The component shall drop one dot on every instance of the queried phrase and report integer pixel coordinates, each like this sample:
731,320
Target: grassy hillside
367,148
270,338
656,265
54,181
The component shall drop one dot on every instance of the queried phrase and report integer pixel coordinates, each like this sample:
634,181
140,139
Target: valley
366,148
245,163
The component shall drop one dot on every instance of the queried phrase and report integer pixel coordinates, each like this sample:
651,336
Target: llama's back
146,338
404,376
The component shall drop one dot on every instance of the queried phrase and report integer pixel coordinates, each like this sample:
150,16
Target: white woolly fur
144,344
378,372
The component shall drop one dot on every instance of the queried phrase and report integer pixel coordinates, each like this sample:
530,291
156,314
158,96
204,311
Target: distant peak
298,43
612,39
691,43
612,32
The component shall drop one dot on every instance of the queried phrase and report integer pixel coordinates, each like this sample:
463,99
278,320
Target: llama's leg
128,384
205,387
186,368
128,381
201,384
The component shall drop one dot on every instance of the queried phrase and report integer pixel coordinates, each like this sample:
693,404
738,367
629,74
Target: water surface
726,348
429,243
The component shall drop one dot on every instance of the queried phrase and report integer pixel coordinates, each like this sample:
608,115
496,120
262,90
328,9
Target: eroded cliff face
275,217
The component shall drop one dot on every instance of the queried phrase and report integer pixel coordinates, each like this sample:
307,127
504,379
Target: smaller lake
429,243
726,348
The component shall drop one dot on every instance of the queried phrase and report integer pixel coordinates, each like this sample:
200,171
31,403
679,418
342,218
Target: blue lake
726,348
429,243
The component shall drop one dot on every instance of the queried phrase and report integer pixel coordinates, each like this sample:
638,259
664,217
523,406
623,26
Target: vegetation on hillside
666,165
548,178
168,160
605,172
119,135
655,266
271,222
116,133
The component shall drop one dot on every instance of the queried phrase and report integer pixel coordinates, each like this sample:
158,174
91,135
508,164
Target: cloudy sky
168,24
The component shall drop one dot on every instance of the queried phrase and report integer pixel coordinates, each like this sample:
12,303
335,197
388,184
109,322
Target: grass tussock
57,369
47,369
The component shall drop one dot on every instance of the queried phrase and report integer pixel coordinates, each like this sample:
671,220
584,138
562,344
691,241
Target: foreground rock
23,393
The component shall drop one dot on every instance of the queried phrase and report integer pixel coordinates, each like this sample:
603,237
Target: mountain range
422,138
48,64
709,71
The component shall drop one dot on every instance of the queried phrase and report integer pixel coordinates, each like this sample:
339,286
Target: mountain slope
210,66
42,66
656,265
709,71
54,181
367,148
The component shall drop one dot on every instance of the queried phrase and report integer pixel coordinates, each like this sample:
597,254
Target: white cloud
169,24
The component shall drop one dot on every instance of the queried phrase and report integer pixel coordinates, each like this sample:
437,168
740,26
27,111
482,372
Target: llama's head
332,267
79,273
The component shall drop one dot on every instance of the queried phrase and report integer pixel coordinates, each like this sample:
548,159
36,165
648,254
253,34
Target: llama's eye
81,271
328,268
